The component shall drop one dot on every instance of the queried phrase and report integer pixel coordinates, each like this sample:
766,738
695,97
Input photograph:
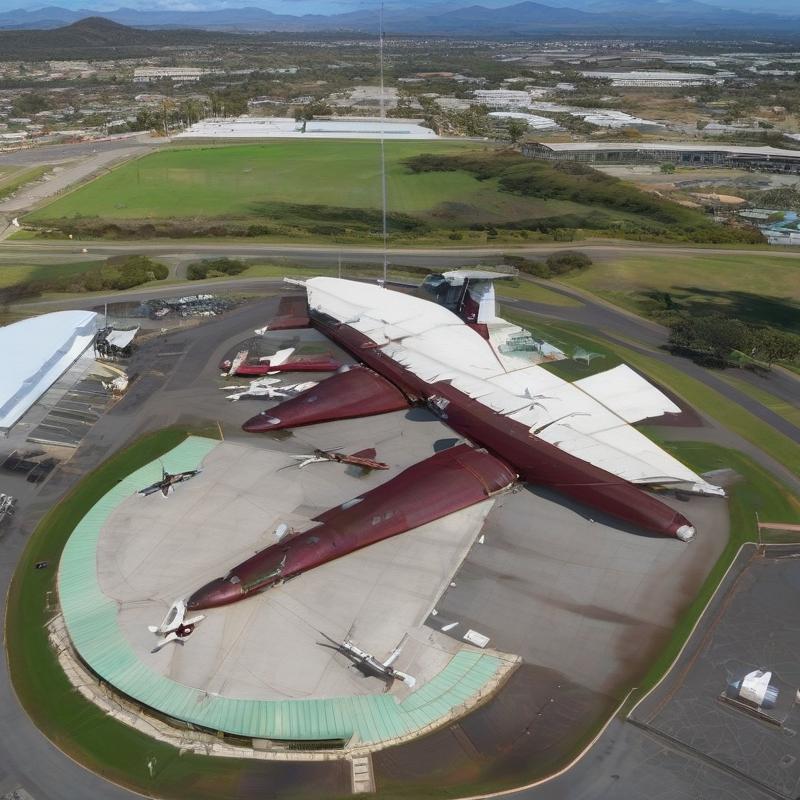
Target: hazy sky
278,6
340,6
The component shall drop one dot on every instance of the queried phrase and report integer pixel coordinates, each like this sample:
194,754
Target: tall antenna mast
383,156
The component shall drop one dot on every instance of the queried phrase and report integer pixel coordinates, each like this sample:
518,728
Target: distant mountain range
597,17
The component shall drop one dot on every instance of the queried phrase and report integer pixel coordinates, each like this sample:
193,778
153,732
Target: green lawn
572,340
754,288
236,180
789,411
518,289
536,293
12,274
251,182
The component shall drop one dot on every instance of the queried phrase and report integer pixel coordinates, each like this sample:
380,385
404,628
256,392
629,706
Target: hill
95,37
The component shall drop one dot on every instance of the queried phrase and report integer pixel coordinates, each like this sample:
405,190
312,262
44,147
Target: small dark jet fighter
168,482
368,665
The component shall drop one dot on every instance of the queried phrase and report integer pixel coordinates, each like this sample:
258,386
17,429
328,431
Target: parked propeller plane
168,482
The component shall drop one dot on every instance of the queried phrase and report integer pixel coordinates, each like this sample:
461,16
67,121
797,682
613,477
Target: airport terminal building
760,159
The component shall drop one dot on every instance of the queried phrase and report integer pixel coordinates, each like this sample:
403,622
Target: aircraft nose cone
685,533
260,423
218,592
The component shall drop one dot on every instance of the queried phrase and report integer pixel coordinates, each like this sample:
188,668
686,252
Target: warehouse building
533,121
503,98
759,159
658,79
175,74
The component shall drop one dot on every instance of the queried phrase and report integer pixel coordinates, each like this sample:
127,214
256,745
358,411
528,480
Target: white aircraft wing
627,394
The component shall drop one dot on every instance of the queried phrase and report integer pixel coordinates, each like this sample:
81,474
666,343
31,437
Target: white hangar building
35,354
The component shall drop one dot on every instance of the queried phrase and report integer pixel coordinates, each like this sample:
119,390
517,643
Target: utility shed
35,353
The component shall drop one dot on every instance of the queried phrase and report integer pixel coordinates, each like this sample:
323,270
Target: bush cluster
124,272
649,215
115,274
214,268
556,264
712,338
282,219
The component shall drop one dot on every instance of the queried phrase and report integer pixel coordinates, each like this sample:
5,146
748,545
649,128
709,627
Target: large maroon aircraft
481,376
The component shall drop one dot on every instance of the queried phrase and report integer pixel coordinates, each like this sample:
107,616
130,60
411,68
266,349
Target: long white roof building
35,353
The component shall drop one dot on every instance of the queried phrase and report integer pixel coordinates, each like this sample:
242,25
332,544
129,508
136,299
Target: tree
667,168
146,120
316,108
191,111
228,103
516,129
30,103
567,261
712,335
772,345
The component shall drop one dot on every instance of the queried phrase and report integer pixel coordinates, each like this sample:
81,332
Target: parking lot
752,625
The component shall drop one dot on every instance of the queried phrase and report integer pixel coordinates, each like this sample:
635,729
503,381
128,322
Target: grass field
516,289
754,288
765,397
243,180
286,184
13,179
12,274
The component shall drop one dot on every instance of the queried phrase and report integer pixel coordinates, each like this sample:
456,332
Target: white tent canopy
34,353
120,338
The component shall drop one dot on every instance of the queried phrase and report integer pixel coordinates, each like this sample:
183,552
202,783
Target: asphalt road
325,253
624,763
53,154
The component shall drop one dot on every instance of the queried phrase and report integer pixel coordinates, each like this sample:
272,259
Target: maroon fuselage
536,460
446,482
440,485
324,362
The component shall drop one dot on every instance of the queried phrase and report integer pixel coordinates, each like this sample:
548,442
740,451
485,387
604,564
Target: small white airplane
261,389
237,362
175,627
